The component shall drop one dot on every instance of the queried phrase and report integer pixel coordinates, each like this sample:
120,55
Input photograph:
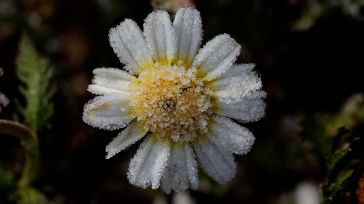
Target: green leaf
29,195
37,88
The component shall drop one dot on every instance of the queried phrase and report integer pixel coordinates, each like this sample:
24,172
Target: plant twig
29,142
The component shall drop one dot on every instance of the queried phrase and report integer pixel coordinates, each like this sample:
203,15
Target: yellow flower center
172,102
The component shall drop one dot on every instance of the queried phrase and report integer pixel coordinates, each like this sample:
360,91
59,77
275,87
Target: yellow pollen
172,102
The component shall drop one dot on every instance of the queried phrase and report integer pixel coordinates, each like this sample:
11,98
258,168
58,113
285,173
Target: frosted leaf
188,27
129,45
181,170
109,112
160,37
147,165
250,108
231,136
232,86
125,138
109,81
215,160
217,56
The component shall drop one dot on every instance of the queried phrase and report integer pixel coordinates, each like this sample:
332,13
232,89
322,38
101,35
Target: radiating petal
215,160
147,166
217,56
251,108
129,45
188,27
108,112
125,138
110,81
181,171
160,37
232,136
238,70
235,84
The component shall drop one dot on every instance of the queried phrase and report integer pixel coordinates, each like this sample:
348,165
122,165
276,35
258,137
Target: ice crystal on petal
249,109
181,170
234,85
124,139
107,112
217,56
148,164
110,81
128,43
188,28
233,137
215,160
160,37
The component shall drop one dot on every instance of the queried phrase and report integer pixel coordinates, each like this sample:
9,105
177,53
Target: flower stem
29,142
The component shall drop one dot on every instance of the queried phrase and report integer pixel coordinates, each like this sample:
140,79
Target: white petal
192,170
181,171
233,137
166,182
125,138
160,37
108,112
182,198
147,166
238,70
251,108
188,27
235,84
217,56
109,81
129,45
216,161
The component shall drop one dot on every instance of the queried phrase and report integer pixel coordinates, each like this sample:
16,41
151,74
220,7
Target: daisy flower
184,101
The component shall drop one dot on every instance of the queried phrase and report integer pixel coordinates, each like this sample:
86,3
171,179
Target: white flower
179,97
307,193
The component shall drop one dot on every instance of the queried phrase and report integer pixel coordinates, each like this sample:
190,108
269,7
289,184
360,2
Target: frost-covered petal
129,45
232,136
147,166
217,56
188,28
108,112
236,83
250,108
109,81
160,37
125,138
181,170
238,70
215,160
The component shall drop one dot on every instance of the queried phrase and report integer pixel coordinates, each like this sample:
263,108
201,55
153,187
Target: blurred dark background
309,54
